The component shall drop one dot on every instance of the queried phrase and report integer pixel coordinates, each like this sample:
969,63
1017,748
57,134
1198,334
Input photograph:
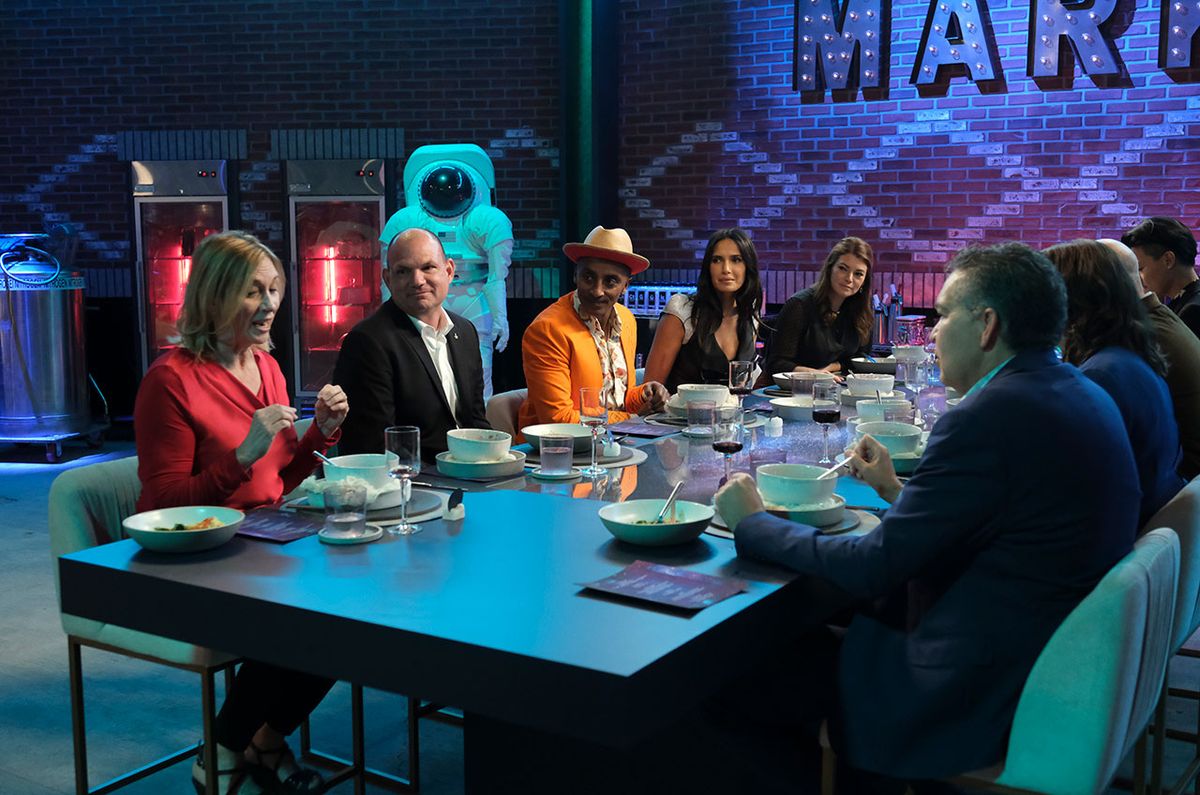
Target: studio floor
137,711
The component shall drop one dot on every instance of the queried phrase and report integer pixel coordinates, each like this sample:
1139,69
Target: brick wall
75,73
713,135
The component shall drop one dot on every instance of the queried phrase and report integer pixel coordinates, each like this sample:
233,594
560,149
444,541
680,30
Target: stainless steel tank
43,375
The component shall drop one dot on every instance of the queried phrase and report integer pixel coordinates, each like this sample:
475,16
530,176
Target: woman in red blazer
214,426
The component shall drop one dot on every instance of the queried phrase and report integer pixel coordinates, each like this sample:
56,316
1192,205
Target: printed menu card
668,585
269,524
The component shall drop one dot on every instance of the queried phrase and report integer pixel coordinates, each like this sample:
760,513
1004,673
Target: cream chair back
1182,514
502,410
1094,686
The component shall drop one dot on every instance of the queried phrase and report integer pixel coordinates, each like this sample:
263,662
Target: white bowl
952,402
909,354
371,467
580,436
886,365
625,521
874,411
897,437
451,467
478,445
784,380
867,384
715,392
152,530
797,407
794,484
951,392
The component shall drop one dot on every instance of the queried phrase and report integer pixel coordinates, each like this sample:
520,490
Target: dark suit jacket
389,379
1026,495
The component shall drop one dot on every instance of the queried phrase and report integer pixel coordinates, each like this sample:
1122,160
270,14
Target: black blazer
389,379
1027,494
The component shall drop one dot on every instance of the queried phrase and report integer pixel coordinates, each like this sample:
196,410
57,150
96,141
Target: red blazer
189,418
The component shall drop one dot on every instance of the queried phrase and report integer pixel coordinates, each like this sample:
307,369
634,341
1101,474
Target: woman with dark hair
699,335
214,425
1110,338
828,324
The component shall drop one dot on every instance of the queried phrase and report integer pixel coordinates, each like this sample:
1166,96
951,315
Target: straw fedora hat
612,245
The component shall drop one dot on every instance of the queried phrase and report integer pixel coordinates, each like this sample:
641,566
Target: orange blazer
559,357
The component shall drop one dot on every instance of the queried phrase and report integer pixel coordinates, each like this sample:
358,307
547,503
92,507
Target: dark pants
263,693
767,727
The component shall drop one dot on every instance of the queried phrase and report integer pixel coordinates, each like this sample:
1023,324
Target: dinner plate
849,399
374,533
451,467
851,519
826,512
903,463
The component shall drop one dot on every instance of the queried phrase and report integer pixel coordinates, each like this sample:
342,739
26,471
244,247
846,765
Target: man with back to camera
412,362
1026,495
1166,252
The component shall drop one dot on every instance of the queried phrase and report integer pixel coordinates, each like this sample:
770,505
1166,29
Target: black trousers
263,693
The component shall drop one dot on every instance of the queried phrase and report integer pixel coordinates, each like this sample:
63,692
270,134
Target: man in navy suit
412,362
1027,493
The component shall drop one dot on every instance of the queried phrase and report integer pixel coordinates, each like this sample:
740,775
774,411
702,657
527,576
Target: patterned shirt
612,358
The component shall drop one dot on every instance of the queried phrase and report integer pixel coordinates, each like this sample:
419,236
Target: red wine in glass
827,415
740,391
727,448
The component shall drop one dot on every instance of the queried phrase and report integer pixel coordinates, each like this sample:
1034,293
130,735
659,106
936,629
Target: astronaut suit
448,190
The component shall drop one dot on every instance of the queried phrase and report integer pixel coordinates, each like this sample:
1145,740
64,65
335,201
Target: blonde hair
223,267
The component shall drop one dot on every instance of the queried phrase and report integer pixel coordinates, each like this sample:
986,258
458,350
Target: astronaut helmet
448,180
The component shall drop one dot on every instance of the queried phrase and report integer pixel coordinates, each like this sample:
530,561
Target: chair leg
78,730
1139,766
828,771
1159,729
208,703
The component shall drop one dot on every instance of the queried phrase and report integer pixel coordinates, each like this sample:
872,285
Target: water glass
345,509
700,417
403,446
556,454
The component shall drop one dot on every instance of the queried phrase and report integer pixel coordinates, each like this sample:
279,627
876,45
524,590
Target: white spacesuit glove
496,295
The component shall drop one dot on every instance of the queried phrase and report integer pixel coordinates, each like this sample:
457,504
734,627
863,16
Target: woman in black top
828,324
698,336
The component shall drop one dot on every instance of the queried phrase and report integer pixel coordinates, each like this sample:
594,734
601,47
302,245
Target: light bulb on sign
330,285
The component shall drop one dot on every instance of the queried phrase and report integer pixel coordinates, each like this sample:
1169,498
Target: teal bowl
633,522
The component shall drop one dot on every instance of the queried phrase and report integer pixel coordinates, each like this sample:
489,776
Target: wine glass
740,384
593,414
403,446
728,428
826,410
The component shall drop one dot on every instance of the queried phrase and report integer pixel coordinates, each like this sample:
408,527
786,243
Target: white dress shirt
439,352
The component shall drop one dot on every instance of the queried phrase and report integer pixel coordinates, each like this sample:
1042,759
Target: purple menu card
668,585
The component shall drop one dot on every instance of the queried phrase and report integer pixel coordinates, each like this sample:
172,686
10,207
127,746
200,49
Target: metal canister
43,373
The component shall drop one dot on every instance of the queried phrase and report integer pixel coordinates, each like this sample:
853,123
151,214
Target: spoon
670,501
834,470
323,458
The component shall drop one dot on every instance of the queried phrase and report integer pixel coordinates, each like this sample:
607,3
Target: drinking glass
827,410
556,454
403,445
728,430
593,414
740,384
345,509
700,417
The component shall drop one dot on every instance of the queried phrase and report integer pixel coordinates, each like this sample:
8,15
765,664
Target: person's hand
654,397
833,369
737,499
331,408
873,464
499,333
265,425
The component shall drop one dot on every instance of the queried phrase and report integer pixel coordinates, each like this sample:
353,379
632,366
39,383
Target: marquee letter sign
838,50
955,37
1051,23
1179,25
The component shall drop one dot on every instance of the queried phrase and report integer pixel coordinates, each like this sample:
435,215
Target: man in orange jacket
587,339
